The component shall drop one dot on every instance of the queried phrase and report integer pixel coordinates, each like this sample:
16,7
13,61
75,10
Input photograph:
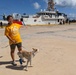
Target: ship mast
51,5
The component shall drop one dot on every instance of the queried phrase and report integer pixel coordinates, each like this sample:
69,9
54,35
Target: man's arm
11,39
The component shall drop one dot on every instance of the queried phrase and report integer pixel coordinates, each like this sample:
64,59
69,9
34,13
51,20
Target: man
12,33
1,25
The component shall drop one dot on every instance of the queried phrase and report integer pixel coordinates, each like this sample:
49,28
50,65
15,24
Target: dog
28,56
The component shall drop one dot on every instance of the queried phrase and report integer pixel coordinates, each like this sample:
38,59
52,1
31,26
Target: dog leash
23,47
9,45
5,46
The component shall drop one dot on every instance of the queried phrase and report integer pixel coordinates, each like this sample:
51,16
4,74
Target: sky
33,6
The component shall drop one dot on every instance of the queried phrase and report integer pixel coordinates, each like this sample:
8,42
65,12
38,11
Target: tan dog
27,55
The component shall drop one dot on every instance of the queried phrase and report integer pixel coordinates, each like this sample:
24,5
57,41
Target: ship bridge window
43,14
47,13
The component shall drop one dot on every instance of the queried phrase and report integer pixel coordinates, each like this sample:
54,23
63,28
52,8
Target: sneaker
14,64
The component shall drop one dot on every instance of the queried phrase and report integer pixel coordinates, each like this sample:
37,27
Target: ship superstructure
48,16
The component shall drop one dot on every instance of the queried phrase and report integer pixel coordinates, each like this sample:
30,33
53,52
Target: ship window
35,20
58,20
48,22
47,14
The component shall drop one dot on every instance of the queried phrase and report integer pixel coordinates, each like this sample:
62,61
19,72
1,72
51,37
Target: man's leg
19,46
12,54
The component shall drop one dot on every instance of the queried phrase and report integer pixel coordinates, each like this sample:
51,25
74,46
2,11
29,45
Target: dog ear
34,48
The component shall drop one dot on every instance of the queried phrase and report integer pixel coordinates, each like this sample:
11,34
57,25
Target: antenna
51,5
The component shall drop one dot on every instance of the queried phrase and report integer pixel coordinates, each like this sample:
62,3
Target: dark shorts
13,46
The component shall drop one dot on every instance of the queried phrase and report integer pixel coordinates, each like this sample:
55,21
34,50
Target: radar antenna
51,5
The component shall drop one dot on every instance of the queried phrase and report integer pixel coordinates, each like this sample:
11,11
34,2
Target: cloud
36,5
45,1
66,3
72,15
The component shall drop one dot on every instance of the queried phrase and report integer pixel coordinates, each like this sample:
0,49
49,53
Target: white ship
49,16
